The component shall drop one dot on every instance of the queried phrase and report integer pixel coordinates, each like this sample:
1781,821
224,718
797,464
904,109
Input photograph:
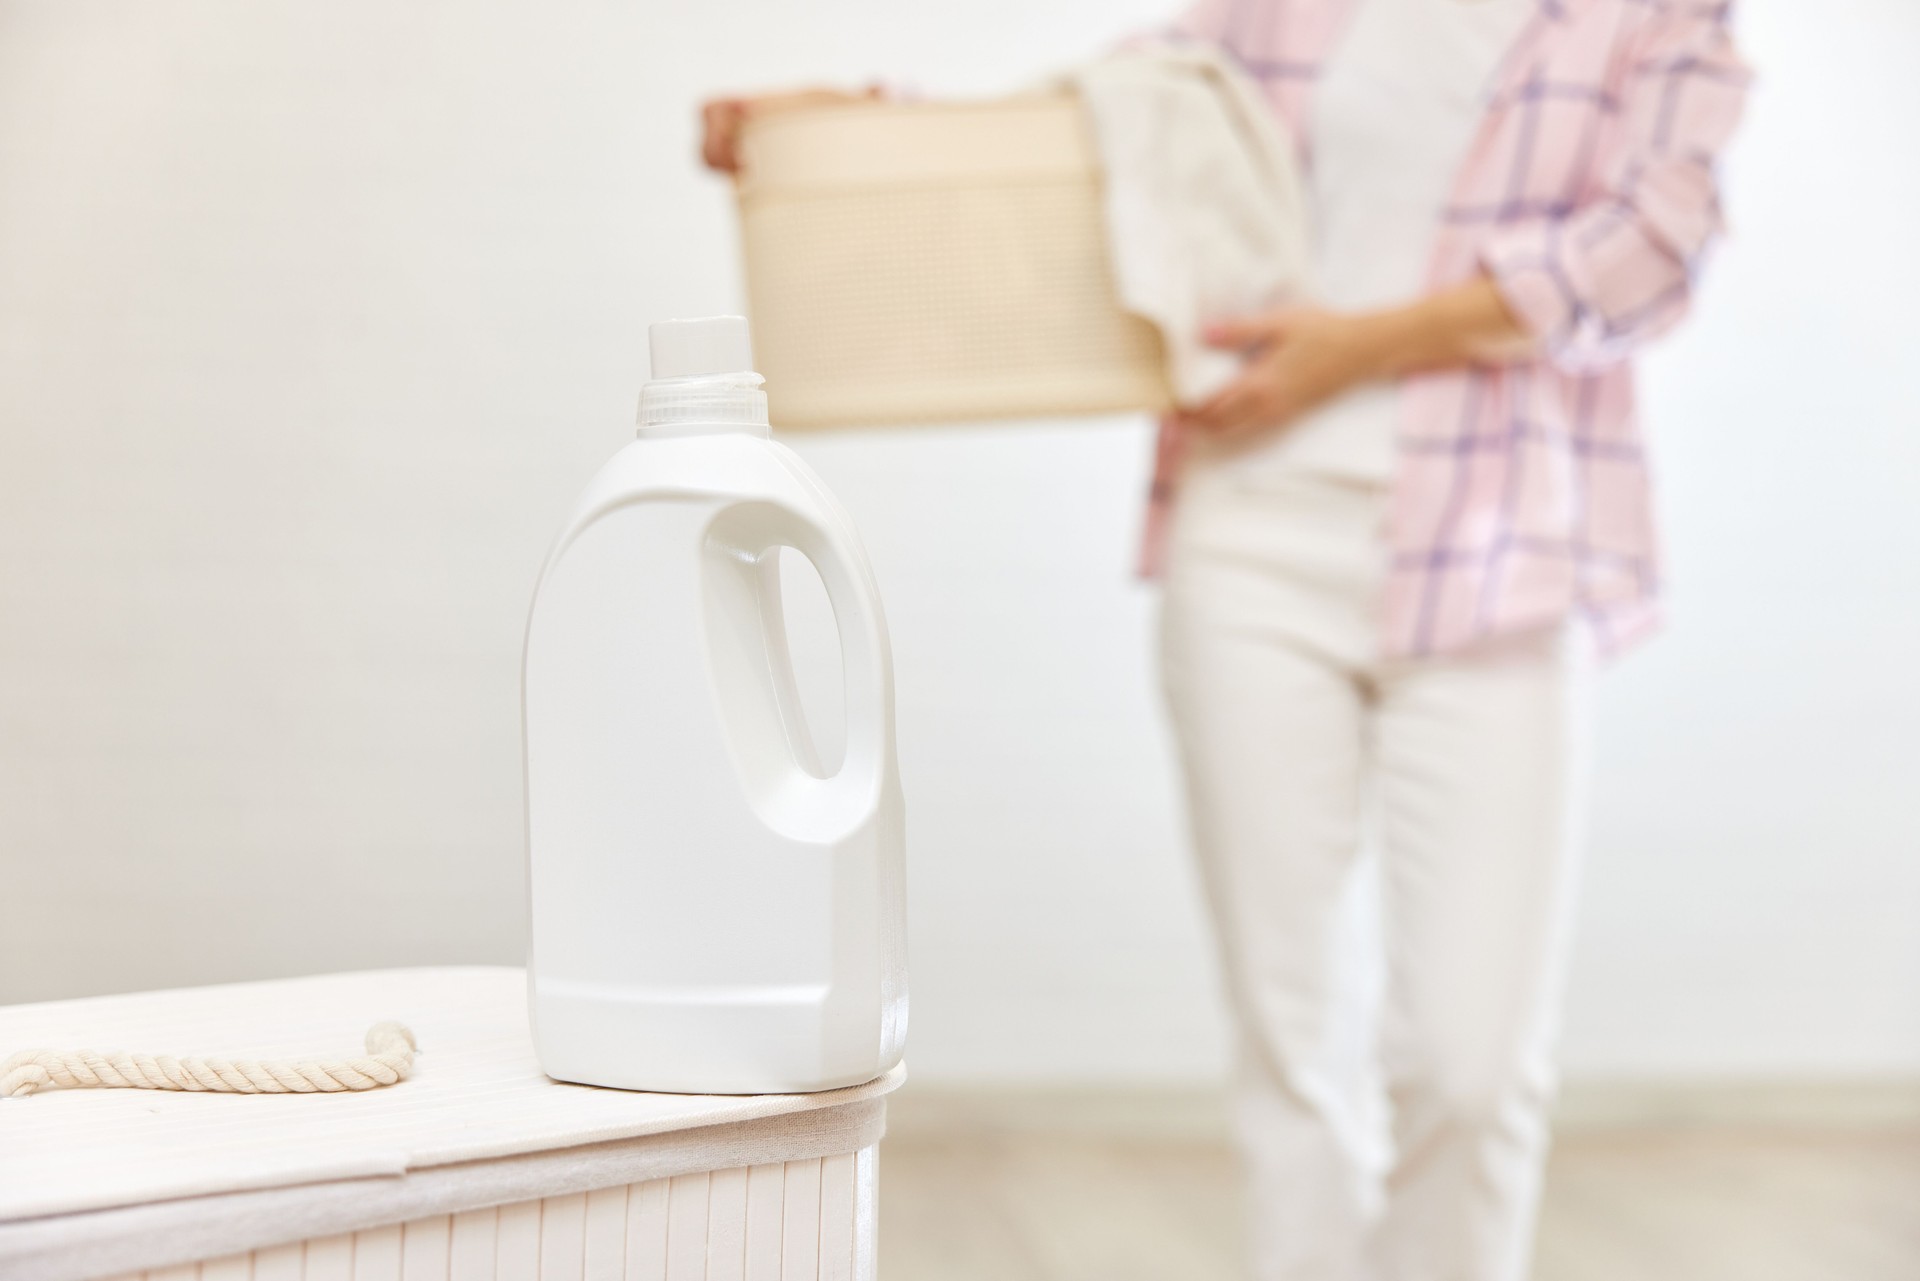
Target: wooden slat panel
836,1218
517,1243
866,1214
563,1237
330,1258
687,1228
426,1249
604,1250
470,1245
800,1235
280,1263
727,1225
794,1222
766,1201
376,1254
647,1231
235,1267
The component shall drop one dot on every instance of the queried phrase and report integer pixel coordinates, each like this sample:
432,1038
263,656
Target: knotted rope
389,1058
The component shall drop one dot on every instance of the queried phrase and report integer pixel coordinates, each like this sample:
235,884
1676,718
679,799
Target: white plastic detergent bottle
712,912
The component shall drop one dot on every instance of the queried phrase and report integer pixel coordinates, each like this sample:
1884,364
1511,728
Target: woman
1398,536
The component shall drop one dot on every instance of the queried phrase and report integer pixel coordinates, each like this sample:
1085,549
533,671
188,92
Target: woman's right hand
721,119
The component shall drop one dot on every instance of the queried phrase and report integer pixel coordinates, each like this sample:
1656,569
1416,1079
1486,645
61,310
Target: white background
313,317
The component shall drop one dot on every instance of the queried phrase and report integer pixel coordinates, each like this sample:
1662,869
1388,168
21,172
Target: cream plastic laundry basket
936,262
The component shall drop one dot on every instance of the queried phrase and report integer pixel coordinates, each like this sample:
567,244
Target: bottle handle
753,668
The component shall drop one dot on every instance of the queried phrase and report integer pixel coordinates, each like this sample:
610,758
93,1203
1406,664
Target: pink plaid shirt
1522,494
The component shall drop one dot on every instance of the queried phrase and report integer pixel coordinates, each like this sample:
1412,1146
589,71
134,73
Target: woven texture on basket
936,262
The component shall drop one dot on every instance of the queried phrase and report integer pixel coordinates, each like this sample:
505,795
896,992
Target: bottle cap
703,378
691,348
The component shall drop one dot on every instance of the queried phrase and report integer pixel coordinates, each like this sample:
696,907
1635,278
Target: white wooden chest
477,1167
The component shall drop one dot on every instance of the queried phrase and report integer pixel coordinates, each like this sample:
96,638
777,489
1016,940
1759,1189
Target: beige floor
1622,1205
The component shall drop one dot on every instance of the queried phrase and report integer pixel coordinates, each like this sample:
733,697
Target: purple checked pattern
1589,195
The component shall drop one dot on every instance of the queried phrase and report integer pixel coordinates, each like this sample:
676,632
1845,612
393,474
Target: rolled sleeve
1619,270
1533,277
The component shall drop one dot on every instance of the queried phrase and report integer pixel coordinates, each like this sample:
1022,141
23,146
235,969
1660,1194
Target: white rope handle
389,1058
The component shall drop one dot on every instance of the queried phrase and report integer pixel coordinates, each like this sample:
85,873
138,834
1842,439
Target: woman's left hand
1297,358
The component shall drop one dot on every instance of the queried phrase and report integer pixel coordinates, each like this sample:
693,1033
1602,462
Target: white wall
313,318
1754,898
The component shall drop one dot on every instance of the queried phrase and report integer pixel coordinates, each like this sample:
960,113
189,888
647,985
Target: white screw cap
703,379
700,348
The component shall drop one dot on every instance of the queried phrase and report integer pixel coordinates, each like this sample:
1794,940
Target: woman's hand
1297,358
720,122
1301,357
721,119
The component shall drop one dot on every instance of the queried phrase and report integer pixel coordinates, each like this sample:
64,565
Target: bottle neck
703,405
668,431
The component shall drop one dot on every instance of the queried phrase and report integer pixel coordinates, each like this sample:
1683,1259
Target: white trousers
1296,738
